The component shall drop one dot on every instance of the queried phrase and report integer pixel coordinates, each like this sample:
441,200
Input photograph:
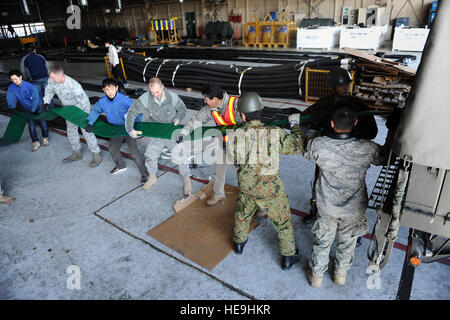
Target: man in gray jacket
163,106
341,193
70,92
222,109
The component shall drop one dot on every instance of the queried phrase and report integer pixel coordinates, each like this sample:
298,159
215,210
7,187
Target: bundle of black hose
285,80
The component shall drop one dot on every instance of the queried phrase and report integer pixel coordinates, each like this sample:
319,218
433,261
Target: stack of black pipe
230,53
281,81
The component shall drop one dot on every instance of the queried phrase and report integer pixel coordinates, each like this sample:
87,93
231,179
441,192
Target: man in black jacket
339,81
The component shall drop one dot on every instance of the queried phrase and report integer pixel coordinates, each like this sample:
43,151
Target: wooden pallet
284,45
268,45
380,108
263,45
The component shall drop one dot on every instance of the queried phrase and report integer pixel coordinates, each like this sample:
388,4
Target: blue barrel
282,34
266,34
251,35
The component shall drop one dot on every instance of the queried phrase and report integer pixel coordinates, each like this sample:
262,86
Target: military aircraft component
420,194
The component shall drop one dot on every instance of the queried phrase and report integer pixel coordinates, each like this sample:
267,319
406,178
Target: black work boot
312,213
239,247
288,261
144,178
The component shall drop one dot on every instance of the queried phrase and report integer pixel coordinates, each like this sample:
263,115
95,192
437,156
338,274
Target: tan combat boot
35,146
75,156
314,281
6,199
339,277
150,181
187,185
96,160
213,200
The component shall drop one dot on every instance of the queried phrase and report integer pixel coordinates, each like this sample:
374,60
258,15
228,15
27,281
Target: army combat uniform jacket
256,149
341,187
71,93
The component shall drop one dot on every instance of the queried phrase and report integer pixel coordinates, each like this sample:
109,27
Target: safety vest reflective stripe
231,110
229,117
218,119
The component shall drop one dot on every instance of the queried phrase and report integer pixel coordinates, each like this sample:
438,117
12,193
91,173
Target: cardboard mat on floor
201,233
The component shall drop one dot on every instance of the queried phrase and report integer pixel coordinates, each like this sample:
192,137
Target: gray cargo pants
153,151
74,138
324,231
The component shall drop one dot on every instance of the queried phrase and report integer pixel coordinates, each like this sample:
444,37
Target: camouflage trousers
74,138
279,214
324,231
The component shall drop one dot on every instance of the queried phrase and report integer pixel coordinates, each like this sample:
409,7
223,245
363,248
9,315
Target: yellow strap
231,109
218,118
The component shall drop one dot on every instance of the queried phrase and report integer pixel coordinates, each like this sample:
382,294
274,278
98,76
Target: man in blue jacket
34,68
27,95
115,106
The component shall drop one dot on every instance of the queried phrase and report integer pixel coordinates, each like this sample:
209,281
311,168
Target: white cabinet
319,38
409,39
363,38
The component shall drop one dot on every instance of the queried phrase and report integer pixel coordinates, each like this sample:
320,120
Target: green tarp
77,116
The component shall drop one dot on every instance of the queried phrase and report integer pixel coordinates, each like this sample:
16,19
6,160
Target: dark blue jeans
40,84
32,126
118,73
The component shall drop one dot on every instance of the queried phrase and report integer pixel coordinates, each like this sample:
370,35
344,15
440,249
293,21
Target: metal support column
407,277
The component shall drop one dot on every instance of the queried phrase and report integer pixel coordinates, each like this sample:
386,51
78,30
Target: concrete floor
71,215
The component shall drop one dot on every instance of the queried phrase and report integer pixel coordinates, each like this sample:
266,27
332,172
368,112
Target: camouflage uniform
321,112
260,185
165,110
71,93
203,116
341,197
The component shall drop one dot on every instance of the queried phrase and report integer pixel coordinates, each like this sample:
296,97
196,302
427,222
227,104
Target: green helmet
338,77
249,102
